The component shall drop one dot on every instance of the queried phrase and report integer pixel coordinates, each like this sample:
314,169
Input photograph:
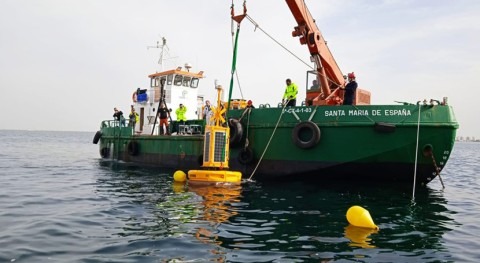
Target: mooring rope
416,152
269,140
437,170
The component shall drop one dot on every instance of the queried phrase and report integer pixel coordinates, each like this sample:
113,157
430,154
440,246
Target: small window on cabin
194,83
178,80
186,81
169,79
154,82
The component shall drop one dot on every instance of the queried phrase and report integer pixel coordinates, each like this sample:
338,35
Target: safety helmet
351,75
249,102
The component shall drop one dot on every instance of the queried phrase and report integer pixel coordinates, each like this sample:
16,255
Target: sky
64,64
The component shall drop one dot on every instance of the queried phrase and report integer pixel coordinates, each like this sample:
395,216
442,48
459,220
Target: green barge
359,143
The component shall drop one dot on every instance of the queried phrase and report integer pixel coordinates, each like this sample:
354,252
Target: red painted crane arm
310,35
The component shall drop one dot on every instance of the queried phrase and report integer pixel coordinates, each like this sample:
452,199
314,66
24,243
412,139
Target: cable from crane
285,48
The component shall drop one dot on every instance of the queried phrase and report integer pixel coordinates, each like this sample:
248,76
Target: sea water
59,202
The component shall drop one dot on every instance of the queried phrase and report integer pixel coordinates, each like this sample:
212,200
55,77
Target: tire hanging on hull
306,129
105,152
245,156
133,148
236,131
97,137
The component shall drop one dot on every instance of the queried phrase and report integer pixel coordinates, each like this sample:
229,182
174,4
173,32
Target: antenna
164,52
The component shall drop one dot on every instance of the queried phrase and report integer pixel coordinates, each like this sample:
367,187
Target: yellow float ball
179,176
359,216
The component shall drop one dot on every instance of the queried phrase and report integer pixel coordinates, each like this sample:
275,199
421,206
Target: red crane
329,75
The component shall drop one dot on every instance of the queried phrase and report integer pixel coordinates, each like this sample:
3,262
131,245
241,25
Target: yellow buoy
179,176
359,216
215,176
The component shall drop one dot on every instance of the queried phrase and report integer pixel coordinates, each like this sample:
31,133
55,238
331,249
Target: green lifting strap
234,63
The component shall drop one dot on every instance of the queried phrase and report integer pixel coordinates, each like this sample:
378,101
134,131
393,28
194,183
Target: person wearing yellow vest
290,94
133,117
181,118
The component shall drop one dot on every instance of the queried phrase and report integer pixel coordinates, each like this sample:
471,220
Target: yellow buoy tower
216,149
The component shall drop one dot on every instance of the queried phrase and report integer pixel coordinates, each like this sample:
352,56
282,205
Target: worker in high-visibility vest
290,94
181,117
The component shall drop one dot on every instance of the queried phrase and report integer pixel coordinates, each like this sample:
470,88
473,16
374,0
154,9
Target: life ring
133,148
236,131
134,96
245,156
97,137
306,134
105,152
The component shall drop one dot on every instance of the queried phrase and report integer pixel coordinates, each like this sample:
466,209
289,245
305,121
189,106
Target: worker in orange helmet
250,105
350,90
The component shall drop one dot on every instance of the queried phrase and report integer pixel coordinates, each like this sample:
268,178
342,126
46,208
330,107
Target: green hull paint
363,143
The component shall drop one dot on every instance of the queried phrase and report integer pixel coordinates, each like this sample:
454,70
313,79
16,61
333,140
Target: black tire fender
133,148
105,152
306,134
97,137
245,156
236,131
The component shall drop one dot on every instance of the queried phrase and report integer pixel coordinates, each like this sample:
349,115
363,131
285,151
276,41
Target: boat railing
117,127
115,123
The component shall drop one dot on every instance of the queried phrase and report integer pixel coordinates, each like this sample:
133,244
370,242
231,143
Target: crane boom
329,74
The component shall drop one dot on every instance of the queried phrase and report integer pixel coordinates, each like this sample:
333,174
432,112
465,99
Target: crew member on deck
133,117
181,116
164,115
350,90
290,94
207,113
118,116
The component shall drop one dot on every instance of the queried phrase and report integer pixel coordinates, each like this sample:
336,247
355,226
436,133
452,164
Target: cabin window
194,83
186,81
169,79
154,82
178,80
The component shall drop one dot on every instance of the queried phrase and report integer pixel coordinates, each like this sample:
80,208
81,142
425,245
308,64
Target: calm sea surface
60,203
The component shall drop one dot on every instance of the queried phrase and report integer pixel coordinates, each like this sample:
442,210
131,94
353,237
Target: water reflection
359,236
284,221
217,200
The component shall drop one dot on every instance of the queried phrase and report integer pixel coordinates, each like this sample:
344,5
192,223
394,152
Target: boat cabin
176,86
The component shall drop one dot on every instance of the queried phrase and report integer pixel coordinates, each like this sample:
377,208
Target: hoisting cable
286,49
276,41
233,44
416,152
269,140
237,19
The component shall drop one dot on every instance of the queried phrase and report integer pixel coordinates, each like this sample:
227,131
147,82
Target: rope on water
269,140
